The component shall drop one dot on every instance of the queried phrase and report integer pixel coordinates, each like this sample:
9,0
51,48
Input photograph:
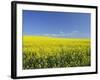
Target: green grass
48,52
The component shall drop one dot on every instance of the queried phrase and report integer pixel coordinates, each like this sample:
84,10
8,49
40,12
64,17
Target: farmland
50,52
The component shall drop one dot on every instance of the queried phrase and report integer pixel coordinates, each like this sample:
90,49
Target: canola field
49,52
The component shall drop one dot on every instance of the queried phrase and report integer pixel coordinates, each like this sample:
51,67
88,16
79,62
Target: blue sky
56,24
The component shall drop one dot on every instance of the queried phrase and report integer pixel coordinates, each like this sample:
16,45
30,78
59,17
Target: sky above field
56,24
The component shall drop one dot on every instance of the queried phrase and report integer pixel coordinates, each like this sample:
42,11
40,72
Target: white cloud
74,33
61,32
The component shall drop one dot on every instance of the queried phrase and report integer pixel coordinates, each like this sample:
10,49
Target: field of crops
49,52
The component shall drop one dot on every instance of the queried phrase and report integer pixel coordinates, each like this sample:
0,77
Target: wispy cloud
62,34
72,34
